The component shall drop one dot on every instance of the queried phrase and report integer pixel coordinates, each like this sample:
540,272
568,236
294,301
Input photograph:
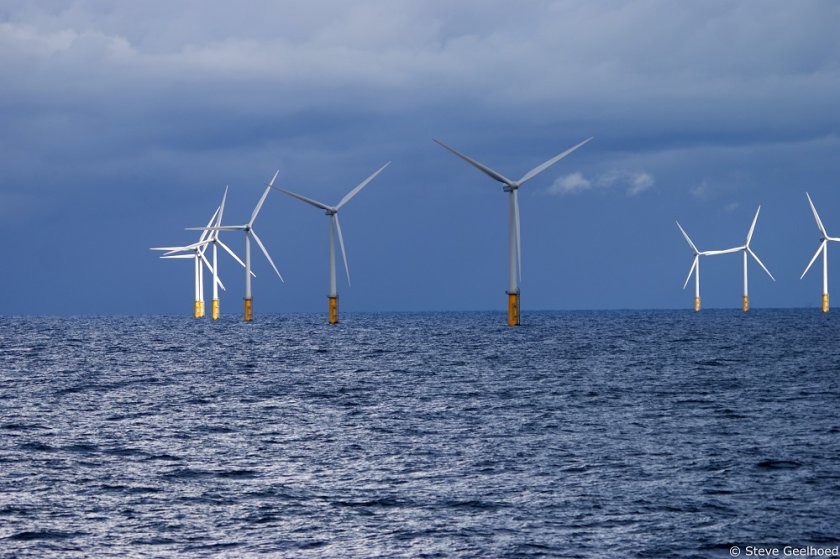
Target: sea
579,434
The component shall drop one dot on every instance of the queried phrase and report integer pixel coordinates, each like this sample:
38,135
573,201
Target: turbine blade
221,211
233,254
210,269
691,271
302,198
808,267
268,257
518,232
259,205
220,228
178,256
752,228
194,246
483,168
816,216
694,248
206,262
169,249
341,244
540,168
190,248
361,185
760,263
206,231
229,251
725,251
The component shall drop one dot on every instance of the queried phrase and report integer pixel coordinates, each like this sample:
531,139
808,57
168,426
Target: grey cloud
643,77
549,58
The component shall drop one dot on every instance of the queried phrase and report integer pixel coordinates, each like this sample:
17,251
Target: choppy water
620,434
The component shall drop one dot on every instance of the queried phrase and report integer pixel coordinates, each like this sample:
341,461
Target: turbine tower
514,240
335,228
824,239
248,229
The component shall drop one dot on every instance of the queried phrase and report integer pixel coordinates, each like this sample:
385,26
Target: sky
122,123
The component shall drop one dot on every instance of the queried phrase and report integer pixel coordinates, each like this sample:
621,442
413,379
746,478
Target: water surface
591,434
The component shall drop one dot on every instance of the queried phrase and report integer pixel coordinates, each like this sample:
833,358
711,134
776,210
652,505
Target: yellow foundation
513,309
215,309
197,309
825,302
697,304
249,313
334,310
746,303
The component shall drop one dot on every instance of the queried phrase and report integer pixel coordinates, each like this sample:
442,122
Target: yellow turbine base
825,302
334,310
746,303
197,309
249,311
215,309
697,304
513,309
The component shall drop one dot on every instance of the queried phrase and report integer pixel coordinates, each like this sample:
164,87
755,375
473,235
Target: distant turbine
335,227
745,248
213,238
248,228
197,254
514,240
824,238
695,269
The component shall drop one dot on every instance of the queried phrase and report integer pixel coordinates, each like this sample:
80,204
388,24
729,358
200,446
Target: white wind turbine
335,228
197,254
695,269
213,238
514,240
248,228
745,248
824,238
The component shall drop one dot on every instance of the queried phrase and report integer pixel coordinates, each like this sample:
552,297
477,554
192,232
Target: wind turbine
335,227
197,250
824,238
745,248
212,238
514,240
695,269
248,228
